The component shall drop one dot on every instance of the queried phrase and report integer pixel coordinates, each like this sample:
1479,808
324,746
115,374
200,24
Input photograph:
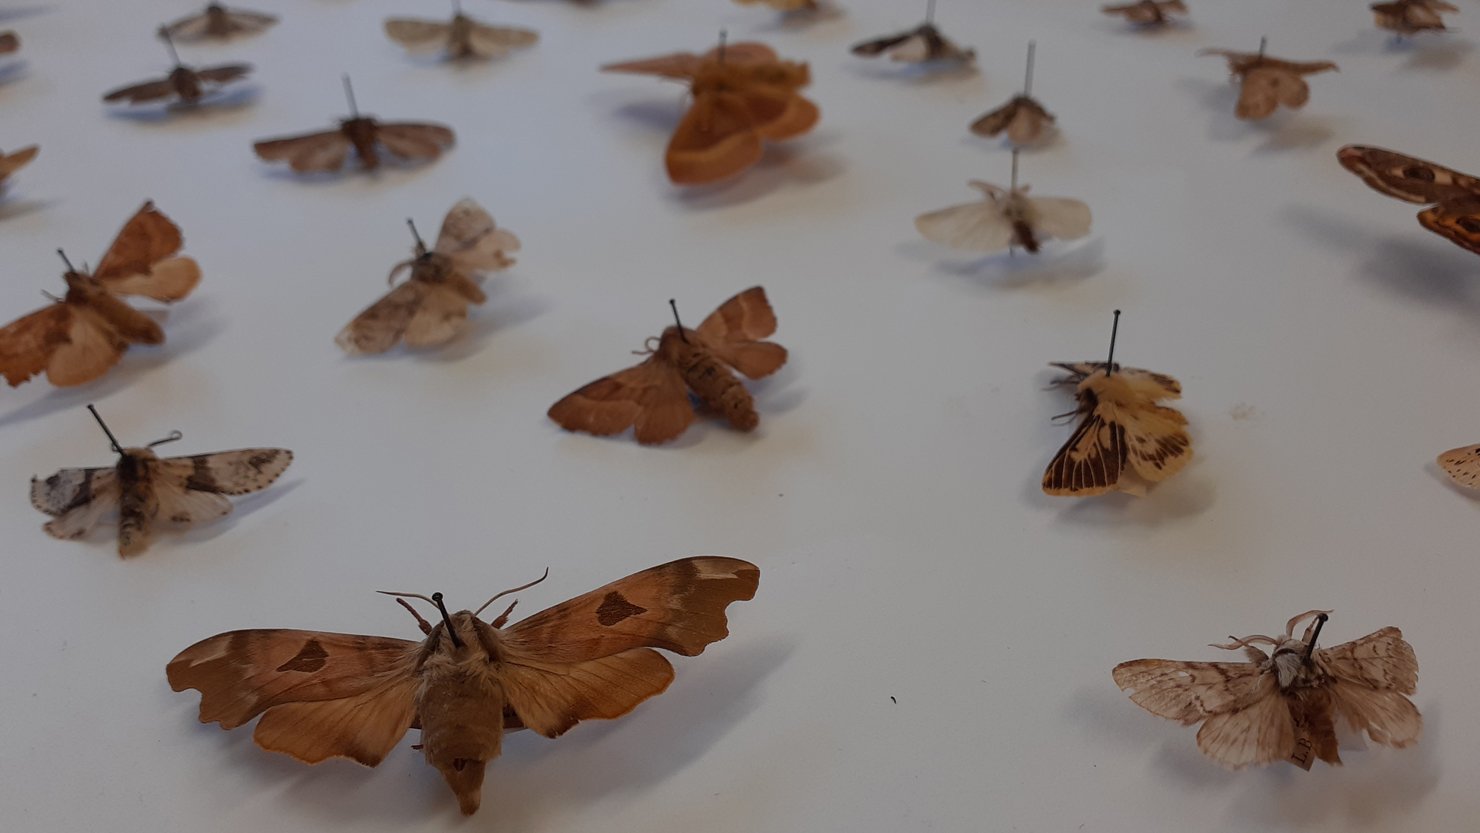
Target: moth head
78,280
462,767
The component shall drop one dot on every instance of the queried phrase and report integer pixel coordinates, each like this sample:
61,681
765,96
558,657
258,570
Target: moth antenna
1028,76
1301,617
1067,415
1310,645
174,435
349,93
63,256
50,297
503,618
498,596
117,447
421,623
1246,642
169,43
421,248
674,306
929,11
446,620
390,280
1114,330
648,347
427,599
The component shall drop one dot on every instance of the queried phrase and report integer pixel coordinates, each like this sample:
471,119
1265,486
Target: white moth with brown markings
142,488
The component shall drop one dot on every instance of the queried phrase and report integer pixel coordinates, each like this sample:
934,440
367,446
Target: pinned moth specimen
80,336
1005,219
431,307
325,695
9,42
1266,83
1147,13
1453,197
141,489
328,150
187,85
462,37
216,22
655,397
1409,17
787,6
923,44
15,160
1023,118
743,96
1125,440
1285,705
1462,465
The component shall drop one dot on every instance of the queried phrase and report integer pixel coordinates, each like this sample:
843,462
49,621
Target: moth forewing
1454,197
216,21
1462,465
15,160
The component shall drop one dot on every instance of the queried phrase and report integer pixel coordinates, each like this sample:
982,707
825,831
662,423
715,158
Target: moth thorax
361,133
187,83
133,464
714,384
431,267
460,34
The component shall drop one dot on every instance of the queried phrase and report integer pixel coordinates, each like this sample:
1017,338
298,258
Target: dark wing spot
1421,173
181,518
311,657
614,608
201,478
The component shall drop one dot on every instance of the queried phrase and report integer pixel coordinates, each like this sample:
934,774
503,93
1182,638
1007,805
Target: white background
1326,344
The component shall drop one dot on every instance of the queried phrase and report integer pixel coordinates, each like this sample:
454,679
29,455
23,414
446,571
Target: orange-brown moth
1147,13
431,307
743,97
1453,198
1023,118
1409,17
461,37
325,695
1125,440
15,160
9,42
1267,83
217,22
328,150
187,85
1284,705
81,335
923,44
142,488
654,397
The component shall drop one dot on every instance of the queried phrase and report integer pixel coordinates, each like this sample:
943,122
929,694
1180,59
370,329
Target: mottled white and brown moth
654,397
461,37
1005,218
80,336
431,307
1267,83
1410,17
923,44
1125,440
1285,705
217,22
1023,119
325,695
15,160
1453,198
1147,13
142,489
186,85
327,150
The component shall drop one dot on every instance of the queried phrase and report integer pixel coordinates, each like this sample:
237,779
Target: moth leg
425,626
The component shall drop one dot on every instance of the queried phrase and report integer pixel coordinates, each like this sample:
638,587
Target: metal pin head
446,620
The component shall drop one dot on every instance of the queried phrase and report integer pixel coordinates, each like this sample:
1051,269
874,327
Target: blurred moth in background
186,85
1266,83
1005,219
656,397
461,37
1147,13
9,42
216,22
1462,465
328,150
923,44
1125,440
1023,118
327,695
743,96
431,307
1409,17
1453,197
15,160
1285,705
142,488
799,7
80,336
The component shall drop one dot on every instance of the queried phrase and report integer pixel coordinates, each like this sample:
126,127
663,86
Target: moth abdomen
717,387
1025,236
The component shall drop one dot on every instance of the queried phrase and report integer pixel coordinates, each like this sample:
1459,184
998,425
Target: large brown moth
923,44
461,37
1267,83
15,160
142,489
325,695
1125,440
217,22
654,397
187,85
9,42
1005,219
1023,119
80,336
1147,13
1453,198
1285,705
328,150
1409,17
431,307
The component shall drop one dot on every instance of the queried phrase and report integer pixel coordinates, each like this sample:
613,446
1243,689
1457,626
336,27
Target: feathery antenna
446,620
1028,76
112,439
349,93
1114,331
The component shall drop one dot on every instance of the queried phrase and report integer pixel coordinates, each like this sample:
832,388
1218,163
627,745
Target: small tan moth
1268,83
1125,440
327,150
143,489
1410,17
1005,219
326,695
431,307
461,37
187,85
1147,13
216,22
15,160
1285,705
923,44
1453,197
1023,119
